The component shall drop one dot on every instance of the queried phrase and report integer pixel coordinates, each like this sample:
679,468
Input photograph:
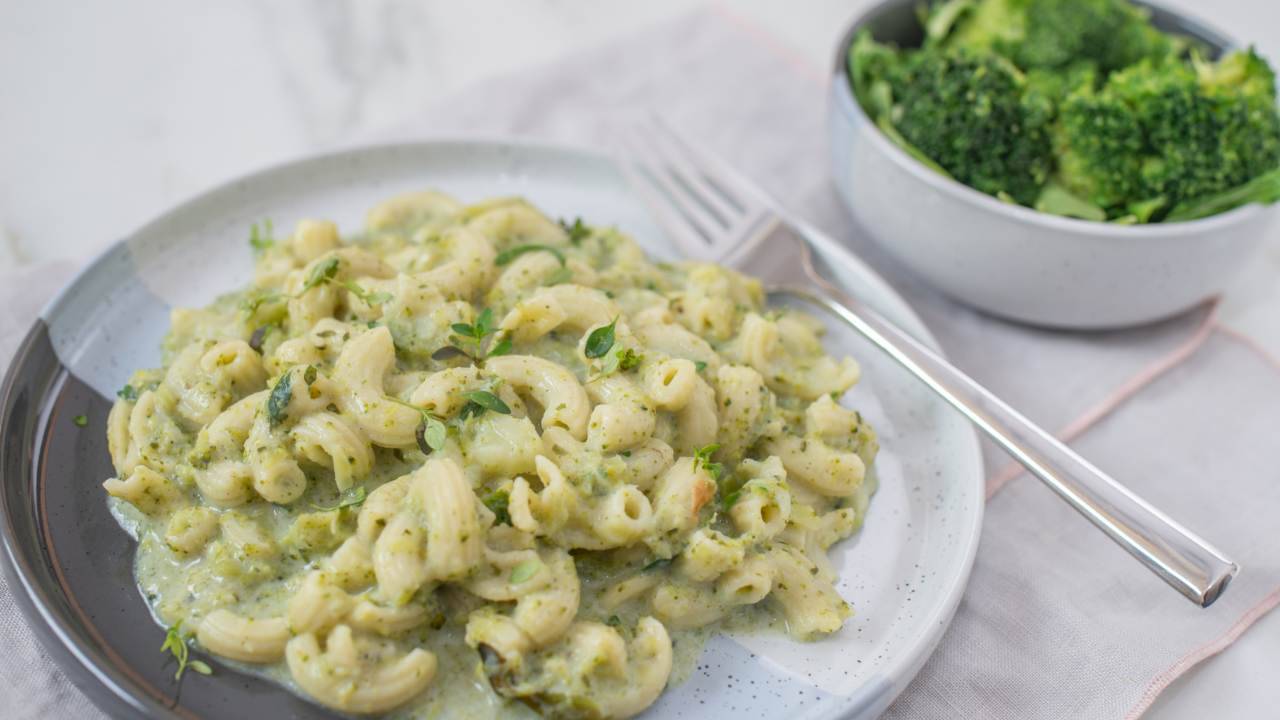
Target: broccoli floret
1056,85
870,64
1051,33
1158,134
968,112
1244,72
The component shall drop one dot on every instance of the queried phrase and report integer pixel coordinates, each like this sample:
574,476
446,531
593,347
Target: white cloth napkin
1057,621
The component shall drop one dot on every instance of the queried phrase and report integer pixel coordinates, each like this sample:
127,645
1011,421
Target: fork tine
685,171
651,161
685,235
721,176
710,210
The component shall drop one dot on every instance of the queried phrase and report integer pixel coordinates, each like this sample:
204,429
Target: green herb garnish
506,256
480,400
261,239
321,274
623,359
251,304
600,341
278,401
498,502
475,333
656,564
128,393
176,644
524,571
699,365
431,433
80,420
577,231
702,459
351,498
479,330
451,351
369,298
501,347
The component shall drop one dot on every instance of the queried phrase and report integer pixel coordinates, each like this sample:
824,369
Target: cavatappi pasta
472,456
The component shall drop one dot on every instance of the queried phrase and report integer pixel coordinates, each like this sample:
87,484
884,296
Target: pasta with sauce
471,436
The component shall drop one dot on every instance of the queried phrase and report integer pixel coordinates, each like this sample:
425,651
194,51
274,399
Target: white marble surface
114,111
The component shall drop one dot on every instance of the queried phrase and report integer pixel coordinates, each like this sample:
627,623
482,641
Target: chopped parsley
699,365
278,401
351,498
80,420
128,393
506,256
176,644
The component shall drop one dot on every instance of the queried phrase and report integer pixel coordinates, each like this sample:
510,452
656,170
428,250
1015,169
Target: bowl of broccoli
1070,163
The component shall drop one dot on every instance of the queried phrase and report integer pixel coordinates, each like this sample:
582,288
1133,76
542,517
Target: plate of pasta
444,430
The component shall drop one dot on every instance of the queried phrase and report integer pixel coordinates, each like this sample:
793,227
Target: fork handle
1180,557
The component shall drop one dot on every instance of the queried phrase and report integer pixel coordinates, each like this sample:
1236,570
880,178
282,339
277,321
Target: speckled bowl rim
849,106
95,675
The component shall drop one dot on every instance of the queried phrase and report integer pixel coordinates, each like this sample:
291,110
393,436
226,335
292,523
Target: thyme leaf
506,256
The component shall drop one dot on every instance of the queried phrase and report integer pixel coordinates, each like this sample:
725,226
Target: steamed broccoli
1051,33
1159,134
1078,108
970,114
966,112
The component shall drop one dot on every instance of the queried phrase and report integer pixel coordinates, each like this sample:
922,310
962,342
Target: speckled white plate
70,565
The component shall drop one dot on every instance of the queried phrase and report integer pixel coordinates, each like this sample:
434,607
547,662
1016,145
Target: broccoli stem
1263,189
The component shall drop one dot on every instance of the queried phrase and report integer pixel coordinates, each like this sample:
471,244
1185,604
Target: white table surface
114,111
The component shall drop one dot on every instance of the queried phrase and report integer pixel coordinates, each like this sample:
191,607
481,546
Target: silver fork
714,213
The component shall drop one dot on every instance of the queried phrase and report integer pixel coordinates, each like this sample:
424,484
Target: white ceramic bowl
1013,261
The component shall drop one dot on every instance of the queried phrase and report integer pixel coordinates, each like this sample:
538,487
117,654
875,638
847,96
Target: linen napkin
1057,622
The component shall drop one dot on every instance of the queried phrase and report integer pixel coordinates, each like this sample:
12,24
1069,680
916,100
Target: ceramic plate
70,566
